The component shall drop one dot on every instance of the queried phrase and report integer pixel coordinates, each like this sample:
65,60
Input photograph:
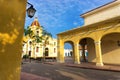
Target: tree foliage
36,38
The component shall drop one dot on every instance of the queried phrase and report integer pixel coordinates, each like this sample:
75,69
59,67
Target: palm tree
33,37
46,35
28,32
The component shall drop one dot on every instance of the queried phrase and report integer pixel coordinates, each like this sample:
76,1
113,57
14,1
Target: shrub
25,56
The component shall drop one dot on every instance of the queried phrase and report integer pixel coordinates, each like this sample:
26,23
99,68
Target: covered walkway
100,36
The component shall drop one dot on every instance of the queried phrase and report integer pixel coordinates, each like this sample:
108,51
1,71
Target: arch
69,41
46,51
86,38
110,48
87,50
37,49
68,52
108,34
29,53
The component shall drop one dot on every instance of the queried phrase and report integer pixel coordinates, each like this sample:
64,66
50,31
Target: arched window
46,51
37,49
37,32
30,42
54,43
54,50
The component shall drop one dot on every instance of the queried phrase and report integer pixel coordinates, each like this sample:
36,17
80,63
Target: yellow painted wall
12,16
110,49
91,50
95,33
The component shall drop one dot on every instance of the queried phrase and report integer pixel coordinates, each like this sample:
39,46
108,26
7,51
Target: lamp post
31,11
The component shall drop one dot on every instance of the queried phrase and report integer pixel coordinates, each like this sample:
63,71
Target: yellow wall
110,49
91,50
12,16
94,33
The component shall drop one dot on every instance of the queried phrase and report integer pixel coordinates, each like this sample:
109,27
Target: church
47,48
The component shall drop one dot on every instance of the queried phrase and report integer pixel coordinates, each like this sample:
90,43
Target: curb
49,63
94,68
88,67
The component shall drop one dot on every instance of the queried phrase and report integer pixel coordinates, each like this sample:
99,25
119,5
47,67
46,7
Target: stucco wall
12,16
103,14
110,49
91,51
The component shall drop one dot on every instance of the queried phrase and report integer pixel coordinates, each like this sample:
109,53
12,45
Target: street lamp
30,11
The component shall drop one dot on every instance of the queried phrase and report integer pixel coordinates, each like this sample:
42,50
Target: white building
68,52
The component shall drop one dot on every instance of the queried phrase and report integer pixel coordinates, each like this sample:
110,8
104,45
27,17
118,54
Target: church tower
36,27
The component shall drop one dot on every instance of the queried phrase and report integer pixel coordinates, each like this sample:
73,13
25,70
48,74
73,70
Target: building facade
100,35
46,48
68,52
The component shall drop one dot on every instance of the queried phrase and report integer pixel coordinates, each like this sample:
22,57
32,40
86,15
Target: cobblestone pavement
27,76
62,72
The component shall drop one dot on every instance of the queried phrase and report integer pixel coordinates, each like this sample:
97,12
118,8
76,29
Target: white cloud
52,13
75,23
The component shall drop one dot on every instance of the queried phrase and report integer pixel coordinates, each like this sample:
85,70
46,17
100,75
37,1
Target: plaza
55,71
99,36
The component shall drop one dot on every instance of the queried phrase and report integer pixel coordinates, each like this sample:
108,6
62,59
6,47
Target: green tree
46,35
35,38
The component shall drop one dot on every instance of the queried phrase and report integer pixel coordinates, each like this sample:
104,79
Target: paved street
61,72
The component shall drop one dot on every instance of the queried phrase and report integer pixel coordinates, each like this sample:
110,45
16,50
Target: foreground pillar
76,53
12,18
99,61
60,51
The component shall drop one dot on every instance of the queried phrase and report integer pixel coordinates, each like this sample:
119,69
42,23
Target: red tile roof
35,22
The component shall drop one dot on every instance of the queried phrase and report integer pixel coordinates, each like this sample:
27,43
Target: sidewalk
106,67
27,76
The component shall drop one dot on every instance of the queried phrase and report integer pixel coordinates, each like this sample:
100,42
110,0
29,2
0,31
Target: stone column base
76,62
60,61
99,64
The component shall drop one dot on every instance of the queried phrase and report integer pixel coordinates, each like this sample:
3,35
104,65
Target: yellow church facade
47,48
100,35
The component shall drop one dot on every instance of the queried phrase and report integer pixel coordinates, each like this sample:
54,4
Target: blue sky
60,15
